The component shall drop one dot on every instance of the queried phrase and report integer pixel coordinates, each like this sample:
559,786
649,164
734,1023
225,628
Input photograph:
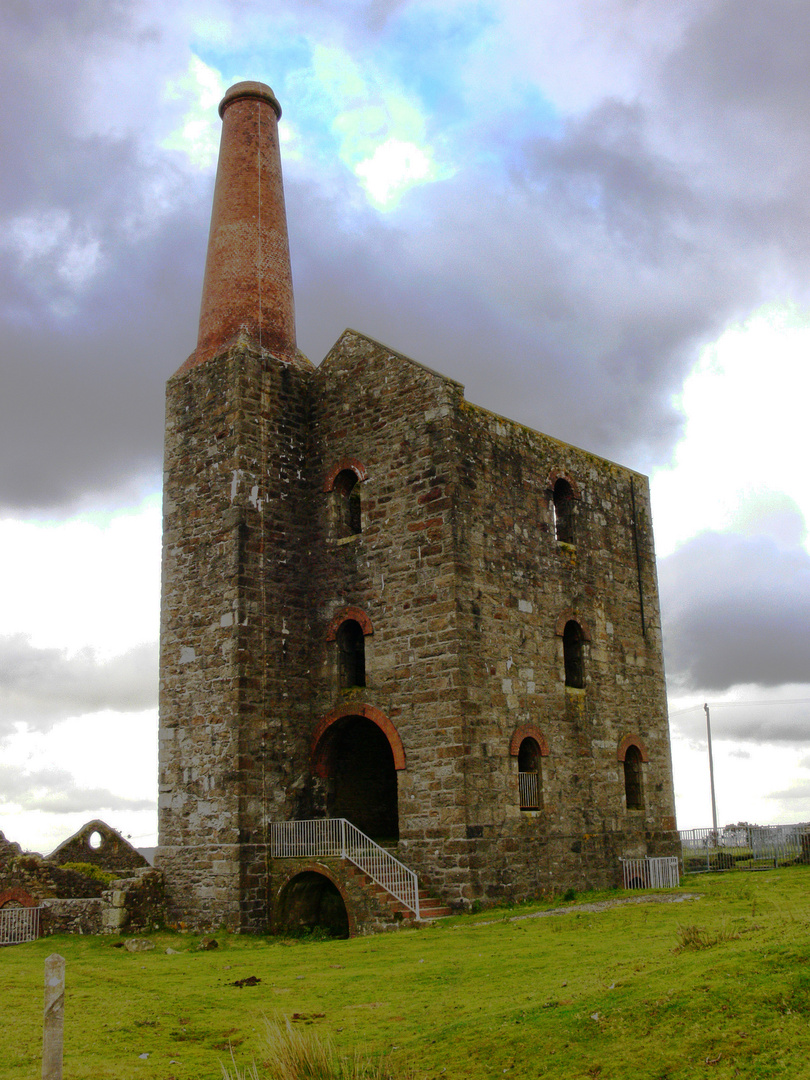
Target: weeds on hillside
303,1055
697,937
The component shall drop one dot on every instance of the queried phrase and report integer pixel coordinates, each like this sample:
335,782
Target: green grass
717,986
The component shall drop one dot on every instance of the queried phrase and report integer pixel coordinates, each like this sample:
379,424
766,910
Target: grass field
717,986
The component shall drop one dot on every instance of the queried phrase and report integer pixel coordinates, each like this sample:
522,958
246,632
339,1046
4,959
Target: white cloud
197,135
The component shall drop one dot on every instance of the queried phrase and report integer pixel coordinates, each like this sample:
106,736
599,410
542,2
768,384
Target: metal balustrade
337,838
19,924
659,873
529,788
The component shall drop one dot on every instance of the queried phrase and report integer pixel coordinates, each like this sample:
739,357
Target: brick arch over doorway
317,757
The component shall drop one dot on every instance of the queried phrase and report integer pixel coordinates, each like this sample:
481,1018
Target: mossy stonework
384,603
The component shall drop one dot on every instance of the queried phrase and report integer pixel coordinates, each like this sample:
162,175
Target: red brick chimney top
247,291
250,90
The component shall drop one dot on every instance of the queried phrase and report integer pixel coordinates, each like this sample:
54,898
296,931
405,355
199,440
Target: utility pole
711,769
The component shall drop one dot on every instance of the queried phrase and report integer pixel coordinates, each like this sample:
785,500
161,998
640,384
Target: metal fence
338,838
745,847
19,924
649,873
529,787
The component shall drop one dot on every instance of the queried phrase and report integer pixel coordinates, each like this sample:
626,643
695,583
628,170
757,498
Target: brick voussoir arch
356,613
16,895
626,743
357,467
304,866
528,731
317,758
556,475
569,616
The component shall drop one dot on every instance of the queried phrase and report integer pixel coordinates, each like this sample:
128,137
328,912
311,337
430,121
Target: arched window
633,785
529,776
564,511
345,506
572,654
351,654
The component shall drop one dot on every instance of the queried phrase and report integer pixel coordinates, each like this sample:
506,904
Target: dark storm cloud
736,610
55,791
567,281
39,687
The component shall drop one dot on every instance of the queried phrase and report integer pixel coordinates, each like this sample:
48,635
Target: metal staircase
337,838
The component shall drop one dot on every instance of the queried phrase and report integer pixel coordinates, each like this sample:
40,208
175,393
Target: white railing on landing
337,838
659,873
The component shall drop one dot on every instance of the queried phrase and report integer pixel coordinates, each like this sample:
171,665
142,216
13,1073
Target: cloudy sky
594,214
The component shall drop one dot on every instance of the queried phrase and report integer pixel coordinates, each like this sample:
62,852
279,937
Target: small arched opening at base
311,901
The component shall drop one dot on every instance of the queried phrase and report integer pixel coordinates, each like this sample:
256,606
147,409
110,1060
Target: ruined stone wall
234,627
518,586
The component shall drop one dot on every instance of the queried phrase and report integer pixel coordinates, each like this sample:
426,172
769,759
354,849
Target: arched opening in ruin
311,901
633,782
529,777
346,512
572,655
361,777
351,644
563,502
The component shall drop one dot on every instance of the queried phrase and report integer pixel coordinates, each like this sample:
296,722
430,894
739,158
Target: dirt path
600,905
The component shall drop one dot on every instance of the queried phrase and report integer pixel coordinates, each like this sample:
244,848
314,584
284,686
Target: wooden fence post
53,1018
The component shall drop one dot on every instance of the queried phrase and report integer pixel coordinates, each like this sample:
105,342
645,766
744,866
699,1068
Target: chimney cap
250,90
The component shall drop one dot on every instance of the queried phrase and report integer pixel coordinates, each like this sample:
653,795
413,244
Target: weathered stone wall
462,590
72,916
517,587
393,417
234,628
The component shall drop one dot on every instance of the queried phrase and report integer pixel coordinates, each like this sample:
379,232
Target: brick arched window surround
357,467
357,614
626,743
317,757
308,866
555,475
16,895
569,616
529,731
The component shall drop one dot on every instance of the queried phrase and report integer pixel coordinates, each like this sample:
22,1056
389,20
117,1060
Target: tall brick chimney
248,281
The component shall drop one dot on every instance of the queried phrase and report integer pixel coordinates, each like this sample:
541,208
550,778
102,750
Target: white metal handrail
19,924
338,838
651,873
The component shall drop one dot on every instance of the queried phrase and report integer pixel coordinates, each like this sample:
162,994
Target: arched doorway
308,901
361,777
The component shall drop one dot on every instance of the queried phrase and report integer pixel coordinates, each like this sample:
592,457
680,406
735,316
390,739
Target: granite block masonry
384,603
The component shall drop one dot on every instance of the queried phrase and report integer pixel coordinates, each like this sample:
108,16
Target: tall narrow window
564,512
572,654
529,779
351,654
346,510
633,787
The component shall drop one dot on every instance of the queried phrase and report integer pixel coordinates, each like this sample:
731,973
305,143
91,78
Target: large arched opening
361,778
310,901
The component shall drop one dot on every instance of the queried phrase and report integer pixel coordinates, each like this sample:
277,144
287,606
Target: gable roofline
391,352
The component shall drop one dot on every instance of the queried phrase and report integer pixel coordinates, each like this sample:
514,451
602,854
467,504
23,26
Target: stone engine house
384,604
